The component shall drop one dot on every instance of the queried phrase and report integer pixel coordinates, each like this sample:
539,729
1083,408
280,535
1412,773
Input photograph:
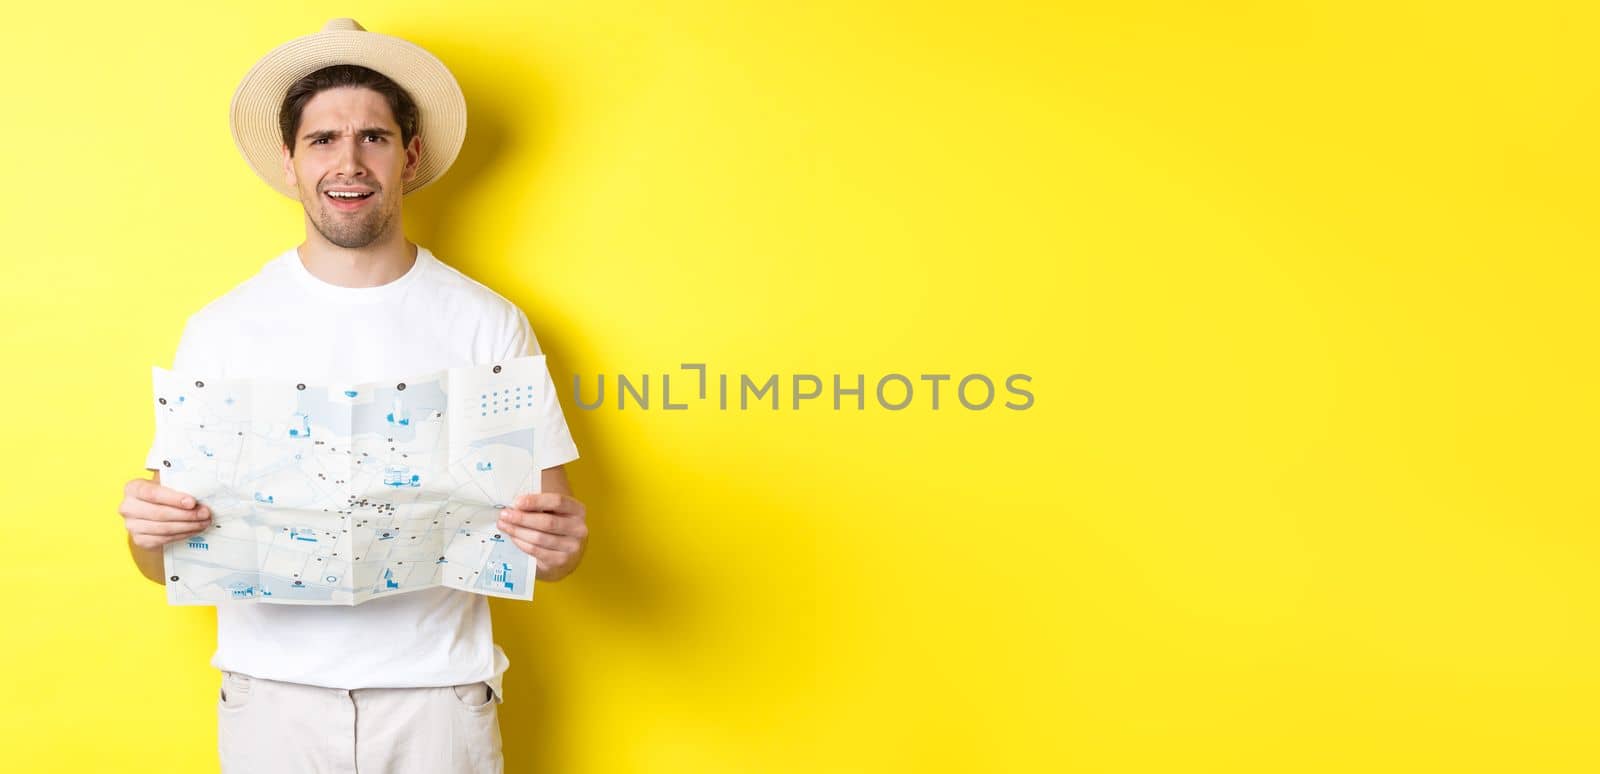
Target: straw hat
441,109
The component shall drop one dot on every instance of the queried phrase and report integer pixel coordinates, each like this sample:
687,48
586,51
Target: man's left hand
550,527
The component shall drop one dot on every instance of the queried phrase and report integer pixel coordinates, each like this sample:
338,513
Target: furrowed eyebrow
328,134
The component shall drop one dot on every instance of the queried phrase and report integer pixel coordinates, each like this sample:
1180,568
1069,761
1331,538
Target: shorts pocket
477,697
475,729
235,691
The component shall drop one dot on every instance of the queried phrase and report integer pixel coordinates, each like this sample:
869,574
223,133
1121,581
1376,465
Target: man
347,122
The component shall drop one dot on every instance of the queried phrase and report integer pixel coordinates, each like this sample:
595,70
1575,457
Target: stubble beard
345,231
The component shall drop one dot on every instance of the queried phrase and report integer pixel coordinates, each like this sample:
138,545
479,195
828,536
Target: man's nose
348,163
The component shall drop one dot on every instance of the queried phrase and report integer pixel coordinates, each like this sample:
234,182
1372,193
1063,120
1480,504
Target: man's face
348,142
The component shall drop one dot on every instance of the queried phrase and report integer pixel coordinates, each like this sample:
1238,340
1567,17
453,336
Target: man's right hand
156,515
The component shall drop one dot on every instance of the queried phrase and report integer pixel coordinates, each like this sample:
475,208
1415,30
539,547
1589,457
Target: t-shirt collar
302,275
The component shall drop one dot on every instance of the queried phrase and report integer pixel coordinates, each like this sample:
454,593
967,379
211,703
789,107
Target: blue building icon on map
502,576
400,475
399,415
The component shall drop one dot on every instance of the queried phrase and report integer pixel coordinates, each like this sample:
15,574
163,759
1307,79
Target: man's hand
550,527
156,515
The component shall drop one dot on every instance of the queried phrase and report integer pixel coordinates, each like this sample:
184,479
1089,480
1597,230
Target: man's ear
288,167
413,159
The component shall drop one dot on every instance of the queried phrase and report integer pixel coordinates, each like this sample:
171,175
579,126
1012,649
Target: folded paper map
335,494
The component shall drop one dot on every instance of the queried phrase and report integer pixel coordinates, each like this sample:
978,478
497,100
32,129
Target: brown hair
335,76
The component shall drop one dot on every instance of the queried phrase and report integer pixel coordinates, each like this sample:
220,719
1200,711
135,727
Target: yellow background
1306,291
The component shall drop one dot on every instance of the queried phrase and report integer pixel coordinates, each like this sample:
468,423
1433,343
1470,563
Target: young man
407,683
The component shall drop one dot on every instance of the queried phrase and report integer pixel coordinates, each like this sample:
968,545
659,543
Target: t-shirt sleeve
552,439
182,362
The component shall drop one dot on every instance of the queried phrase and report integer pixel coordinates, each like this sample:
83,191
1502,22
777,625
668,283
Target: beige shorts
272,727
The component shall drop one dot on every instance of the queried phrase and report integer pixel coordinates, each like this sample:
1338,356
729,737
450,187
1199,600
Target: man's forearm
149,561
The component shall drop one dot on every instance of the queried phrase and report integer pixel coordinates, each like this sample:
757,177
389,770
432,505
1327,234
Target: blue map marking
502,576
400,475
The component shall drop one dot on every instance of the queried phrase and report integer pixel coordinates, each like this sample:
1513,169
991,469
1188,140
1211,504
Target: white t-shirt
285,323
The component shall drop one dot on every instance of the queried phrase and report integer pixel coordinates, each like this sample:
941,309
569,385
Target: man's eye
319,140
376,136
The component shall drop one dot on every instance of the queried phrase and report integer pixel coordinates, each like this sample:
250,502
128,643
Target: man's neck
358,267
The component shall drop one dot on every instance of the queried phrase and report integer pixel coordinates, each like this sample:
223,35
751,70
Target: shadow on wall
432,219
620,588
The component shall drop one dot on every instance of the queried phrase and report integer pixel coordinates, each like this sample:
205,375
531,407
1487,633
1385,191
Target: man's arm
551,526
149,561
555,480
155,516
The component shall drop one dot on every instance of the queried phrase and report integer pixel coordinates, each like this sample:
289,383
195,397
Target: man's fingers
552,502
541,539
151,492
546,522
164,528
147,511
545,557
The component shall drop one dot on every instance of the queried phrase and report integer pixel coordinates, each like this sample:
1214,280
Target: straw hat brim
441,108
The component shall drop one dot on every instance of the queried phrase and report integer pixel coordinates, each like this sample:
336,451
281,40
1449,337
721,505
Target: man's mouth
347,200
